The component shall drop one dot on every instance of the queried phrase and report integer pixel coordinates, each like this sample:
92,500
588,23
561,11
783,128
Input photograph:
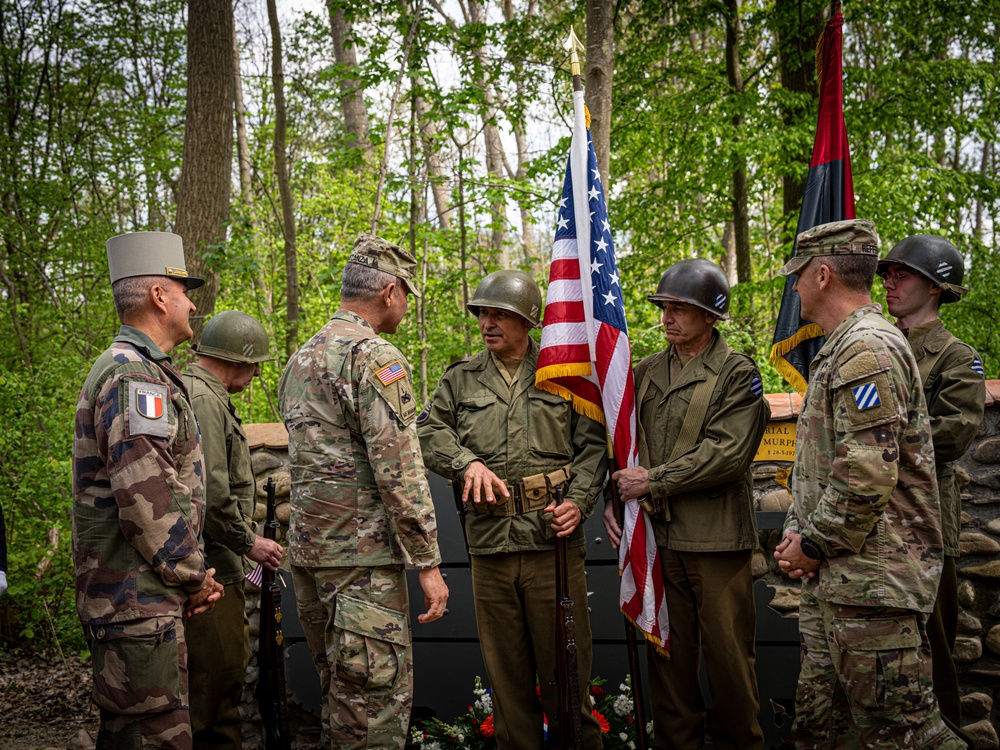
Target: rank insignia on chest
149,403
391,372
866,396
977,367
756,386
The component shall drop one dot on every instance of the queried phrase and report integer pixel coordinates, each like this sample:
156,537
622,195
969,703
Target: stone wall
978,646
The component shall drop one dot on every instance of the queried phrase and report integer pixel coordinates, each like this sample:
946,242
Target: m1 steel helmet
235,337
696,281
933,257
513,291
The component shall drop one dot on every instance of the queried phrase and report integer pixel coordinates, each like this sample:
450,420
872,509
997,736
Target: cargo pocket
136,666
880,664
372,644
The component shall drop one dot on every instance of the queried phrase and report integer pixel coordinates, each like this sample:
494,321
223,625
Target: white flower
623,736
623,705
485,703
433,745
631,745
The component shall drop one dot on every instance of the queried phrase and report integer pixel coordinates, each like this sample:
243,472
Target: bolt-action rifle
567,673
271,697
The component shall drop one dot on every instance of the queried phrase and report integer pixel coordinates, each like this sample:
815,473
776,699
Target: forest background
261,134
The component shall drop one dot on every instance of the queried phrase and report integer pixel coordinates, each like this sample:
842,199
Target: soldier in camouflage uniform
919,275
361,506
138,503
509,444
864,528
233,344
701,414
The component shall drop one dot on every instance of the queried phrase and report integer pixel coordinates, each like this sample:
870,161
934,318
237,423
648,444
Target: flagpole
579,158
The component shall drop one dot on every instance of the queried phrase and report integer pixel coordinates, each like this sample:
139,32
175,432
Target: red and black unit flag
829,196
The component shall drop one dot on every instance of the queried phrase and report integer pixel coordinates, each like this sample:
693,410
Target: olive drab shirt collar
928,338
492,378
712,357
215,386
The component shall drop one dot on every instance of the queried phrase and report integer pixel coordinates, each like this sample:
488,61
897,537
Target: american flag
586,358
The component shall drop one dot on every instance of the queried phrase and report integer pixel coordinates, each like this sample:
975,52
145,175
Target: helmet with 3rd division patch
513,291
235,337
933,257
696,281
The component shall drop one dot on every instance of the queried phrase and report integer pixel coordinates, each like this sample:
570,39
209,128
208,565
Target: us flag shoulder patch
977,367
866,396
756,386
391,372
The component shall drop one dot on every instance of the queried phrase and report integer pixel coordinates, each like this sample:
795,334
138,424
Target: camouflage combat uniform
706,531
361,510
137,514
865,493
218,641
956,393
519,431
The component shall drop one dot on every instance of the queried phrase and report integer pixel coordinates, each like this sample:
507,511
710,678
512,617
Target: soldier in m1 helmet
233,346
921,273
509,445
701,414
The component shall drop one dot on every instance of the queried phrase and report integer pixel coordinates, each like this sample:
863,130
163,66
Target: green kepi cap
149,254
851,237
375,252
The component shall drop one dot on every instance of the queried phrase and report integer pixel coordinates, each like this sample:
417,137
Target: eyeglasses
895,276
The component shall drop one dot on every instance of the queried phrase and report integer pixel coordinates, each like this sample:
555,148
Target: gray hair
363,283
856,272
130,294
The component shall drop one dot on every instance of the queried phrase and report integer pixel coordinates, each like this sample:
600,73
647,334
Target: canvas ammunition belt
526,495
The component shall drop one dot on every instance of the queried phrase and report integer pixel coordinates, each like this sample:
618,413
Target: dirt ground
45,703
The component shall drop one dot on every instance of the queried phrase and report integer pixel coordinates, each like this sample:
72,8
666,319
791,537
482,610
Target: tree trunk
741,219
242,145
435,168
205,181
284,187
352,95
598,76
797,38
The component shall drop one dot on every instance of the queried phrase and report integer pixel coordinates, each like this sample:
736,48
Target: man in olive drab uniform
509,444
361,506
233,344
701,414
919,275
138,503
864,528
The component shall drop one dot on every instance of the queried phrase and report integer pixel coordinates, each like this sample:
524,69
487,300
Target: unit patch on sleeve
756,386
147,404
977,367
866,396
391,372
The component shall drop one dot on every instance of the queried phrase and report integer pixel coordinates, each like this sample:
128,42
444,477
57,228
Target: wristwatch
810,549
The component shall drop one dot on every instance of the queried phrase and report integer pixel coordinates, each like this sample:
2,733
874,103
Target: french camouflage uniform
706,531
955,389
533,440
361,510
218,641
138,510
865,494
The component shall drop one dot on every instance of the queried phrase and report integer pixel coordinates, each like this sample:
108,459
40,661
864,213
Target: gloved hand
3,582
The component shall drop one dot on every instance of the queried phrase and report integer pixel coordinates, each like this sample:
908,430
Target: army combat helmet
513,291
696,281
933,257
235,337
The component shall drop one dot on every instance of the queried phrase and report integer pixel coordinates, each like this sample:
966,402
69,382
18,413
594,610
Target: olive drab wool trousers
515,596
711,608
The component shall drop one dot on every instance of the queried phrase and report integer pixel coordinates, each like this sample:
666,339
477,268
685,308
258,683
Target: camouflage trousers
357,625
865,680
141,684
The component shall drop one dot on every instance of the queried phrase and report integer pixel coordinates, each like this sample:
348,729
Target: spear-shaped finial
574,46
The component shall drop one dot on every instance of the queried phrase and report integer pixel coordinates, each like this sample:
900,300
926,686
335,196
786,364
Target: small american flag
391,372
256,575
586,358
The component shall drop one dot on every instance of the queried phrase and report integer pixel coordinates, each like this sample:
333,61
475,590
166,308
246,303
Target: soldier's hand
435,594
611,526
479,481
267,552
633,482
565,517
792,561
204,598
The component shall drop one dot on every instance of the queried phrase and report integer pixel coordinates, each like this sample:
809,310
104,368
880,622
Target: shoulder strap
697,409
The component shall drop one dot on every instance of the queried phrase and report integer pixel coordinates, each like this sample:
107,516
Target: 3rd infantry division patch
866,396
